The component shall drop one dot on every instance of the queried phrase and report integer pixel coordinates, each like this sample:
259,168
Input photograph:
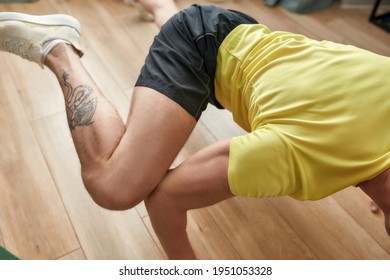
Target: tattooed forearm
80,103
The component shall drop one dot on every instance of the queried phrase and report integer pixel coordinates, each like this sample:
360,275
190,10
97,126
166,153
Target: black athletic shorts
182,59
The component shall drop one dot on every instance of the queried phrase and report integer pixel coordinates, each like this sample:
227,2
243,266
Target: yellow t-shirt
318,113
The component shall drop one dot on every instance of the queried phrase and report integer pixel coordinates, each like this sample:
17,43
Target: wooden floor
45,213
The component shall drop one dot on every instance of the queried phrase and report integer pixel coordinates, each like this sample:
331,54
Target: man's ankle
60,52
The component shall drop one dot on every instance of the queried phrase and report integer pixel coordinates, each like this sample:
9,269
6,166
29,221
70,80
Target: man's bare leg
201,181
198,182
121,164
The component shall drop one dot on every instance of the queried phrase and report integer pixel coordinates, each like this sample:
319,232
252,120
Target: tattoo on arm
80,104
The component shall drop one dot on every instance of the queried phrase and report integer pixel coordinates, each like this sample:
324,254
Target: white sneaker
33,37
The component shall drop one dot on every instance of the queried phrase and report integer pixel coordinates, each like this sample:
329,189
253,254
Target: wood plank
208,240
39,89
356,204
148,224
75,255
34,223
328,230
370,38
257,231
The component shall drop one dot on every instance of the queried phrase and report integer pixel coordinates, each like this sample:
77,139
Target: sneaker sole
48,20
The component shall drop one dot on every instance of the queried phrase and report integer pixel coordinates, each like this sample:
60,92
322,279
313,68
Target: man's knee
163,200
154,200
111,193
